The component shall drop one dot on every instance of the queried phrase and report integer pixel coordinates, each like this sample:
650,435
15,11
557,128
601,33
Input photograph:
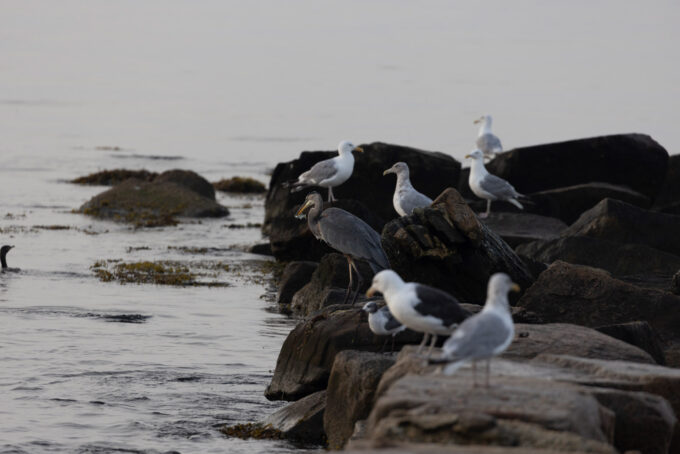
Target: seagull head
347,147
371,307
384,282
476,155
313,199
398,168
500,285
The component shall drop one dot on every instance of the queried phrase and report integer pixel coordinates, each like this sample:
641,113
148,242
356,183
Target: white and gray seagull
419,307
489,143
484,335
406,198
382,322
347,234
490,187
328,173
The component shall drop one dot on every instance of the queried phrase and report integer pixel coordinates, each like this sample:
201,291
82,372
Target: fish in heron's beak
358,149
515,287
371,291
303,208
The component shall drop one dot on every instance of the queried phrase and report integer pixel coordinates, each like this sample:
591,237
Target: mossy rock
113,177
151,204
190,180
243,185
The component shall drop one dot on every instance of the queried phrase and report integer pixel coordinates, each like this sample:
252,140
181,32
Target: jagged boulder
295,276
520,228
301,421
188,179
668,199
640,334
446,246
632,160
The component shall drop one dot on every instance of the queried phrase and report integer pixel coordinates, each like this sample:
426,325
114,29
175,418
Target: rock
587,296
291,239
632,160
328,285
188,179
519,228
242,185
115,176
307,355
565,339
150,204
431,173
675,284
366,447
568,203
301,420
640,334
261,249
614,220
668,199
446,246
351,389
295,276
618,258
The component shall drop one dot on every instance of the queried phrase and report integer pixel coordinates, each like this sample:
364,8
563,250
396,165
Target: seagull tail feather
452,368
516,203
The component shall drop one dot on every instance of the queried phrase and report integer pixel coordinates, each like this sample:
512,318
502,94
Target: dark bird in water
3,259
382,322
347,234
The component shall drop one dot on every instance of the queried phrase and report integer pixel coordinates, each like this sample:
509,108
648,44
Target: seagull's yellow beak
387,171
479,120
302,209
371,291
467,156
515,287
358,149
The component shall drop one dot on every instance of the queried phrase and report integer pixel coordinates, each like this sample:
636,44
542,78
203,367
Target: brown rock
188,179
520,228
295,276
301,420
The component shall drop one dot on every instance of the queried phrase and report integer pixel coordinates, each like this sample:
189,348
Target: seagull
485,334
406,198
419,307
490,187
329,172
347,234
382,322
3,260
486,140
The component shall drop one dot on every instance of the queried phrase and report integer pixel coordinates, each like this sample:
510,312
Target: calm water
231,88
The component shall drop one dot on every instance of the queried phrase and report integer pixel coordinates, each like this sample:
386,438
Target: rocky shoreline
594,363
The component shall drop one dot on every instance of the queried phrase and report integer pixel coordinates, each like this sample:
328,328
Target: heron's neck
485,128
313,216
477,168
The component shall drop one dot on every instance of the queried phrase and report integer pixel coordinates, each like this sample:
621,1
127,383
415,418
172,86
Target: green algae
113,177
253,430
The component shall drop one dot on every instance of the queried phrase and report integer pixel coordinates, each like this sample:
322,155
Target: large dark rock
351,389
295,276
301,421
620,259
632,160
291,239
155,203
188,179
587,296
307,355
614,220
328,285
668,199
675,283
640,334
520,228
431,173
447,247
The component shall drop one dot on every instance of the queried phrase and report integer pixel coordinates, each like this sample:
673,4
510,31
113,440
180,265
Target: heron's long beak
11,247
302,209
479,120
358,149
515,287
467,156
371,291
390,170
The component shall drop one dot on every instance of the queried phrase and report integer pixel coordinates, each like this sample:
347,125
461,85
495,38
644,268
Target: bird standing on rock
382,322
328,173
485,334
487,142
347,234
406,198
490,187
419,307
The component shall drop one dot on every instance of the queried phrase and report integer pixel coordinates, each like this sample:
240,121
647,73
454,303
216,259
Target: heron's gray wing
498,187
440,304
477,337
320,171
350,235
489,143
413,199
392,323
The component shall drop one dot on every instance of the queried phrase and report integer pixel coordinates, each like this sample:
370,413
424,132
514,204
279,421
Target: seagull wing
392,323
350,235
413,199
498,187
319,172
480,336
489,143
440,304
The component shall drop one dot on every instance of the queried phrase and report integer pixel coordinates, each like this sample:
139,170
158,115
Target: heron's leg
349,287
474,373
423,342
360,280
432,342
488,367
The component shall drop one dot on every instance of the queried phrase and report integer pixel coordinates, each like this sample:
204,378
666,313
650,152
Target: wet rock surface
301,420
520,228
639,334
295,276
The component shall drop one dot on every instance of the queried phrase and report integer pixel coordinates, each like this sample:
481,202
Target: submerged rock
243,185
115,176
302,420
447,247
188,179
